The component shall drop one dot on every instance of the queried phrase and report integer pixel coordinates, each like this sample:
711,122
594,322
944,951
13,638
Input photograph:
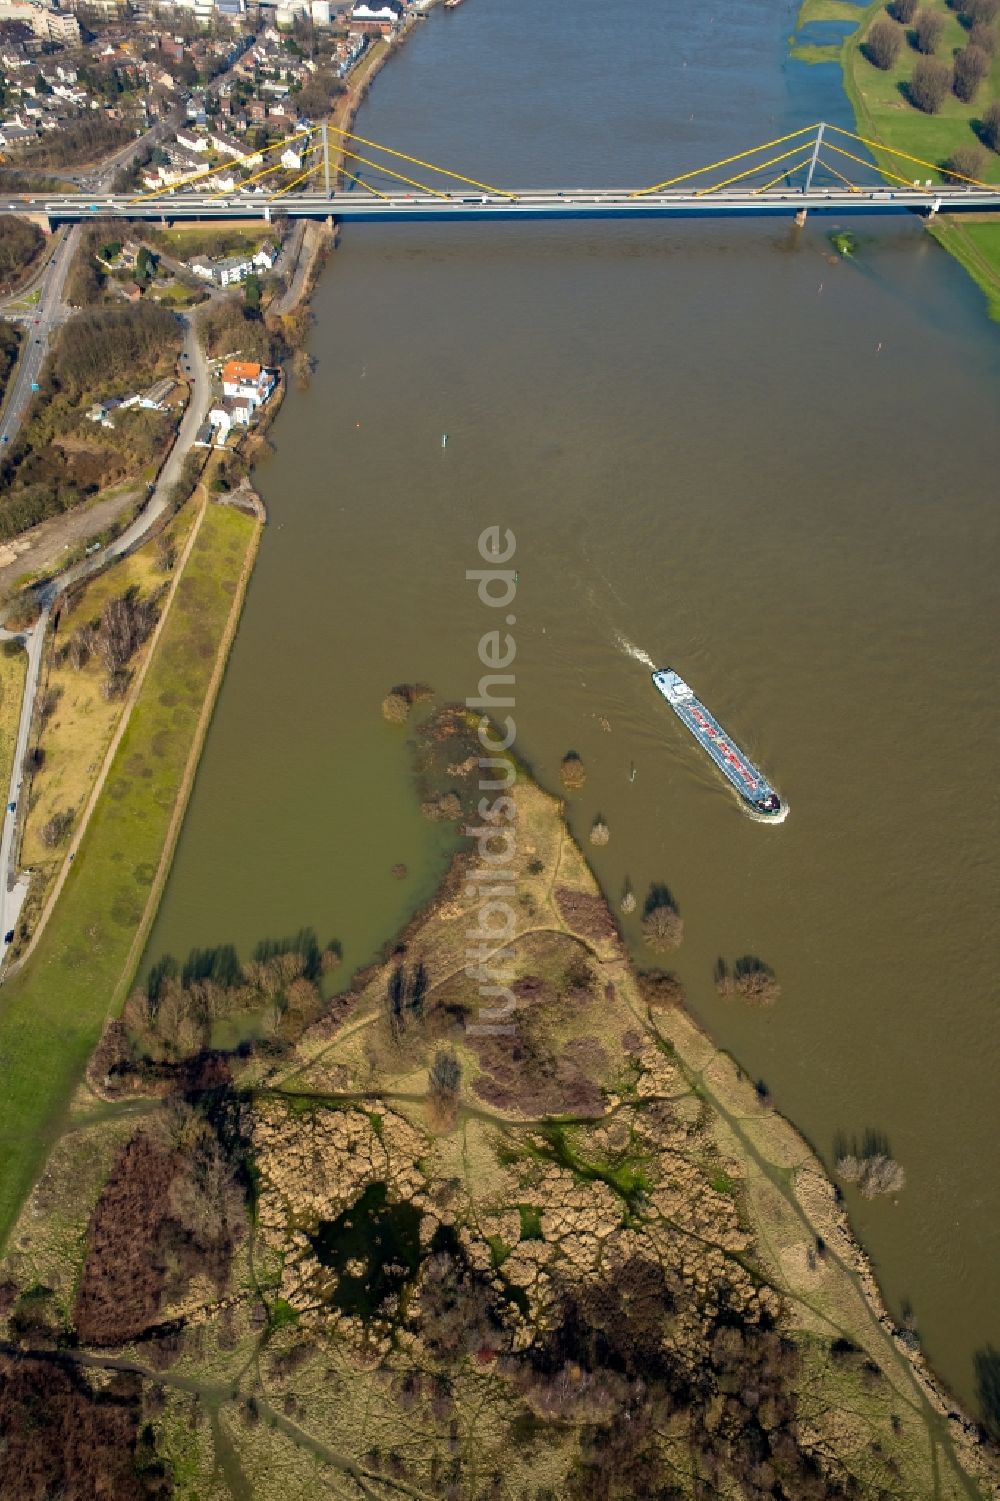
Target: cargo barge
752,786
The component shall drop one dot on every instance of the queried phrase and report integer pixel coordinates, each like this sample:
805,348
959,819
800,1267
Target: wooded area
61,458
20,243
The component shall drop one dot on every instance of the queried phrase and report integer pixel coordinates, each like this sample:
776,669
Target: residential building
191,140
245,380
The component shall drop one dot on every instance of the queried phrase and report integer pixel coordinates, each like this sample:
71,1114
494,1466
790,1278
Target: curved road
14,887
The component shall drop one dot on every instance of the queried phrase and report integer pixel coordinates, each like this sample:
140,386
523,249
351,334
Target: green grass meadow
883,113
52,1012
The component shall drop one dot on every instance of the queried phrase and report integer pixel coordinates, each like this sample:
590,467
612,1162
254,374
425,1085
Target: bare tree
984,36
903,10
971,66
990,127
929,85
125,623
965,162
882,45
662,924
58,826
927,28
445,1077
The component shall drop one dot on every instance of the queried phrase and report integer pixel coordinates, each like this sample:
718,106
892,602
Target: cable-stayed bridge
323,175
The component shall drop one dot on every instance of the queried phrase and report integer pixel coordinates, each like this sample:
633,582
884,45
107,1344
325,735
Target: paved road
196,368
51,310
521,203
13,888
46,316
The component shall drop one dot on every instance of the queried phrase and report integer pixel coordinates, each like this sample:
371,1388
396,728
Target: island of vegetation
294,1242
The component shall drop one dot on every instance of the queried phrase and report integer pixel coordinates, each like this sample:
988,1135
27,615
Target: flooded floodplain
720,446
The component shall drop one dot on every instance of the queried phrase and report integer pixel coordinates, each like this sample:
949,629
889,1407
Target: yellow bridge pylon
812,140
807,151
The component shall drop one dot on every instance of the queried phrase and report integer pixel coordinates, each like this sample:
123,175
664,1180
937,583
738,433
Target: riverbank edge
191,768
948,232
8,1220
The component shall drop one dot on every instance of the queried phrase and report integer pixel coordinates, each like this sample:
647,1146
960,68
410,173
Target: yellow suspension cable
362,184
390,172
296,180
740,156
785,172
845,180
861,161
184,182
416,161
934,166
748,172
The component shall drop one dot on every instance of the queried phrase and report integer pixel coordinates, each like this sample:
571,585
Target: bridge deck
531,203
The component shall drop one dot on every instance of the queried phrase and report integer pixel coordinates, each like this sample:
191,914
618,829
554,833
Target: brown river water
771,469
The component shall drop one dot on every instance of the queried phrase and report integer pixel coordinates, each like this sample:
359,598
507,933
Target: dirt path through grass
112,750
52,1011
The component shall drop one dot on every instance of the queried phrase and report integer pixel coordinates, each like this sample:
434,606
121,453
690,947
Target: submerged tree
662,924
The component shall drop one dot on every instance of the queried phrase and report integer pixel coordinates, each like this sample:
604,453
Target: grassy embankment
75,737
51,1013
883,113
228,239
12,673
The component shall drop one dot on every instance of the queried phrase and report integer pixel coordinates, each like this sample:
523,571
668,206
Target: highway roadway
529,203
37,325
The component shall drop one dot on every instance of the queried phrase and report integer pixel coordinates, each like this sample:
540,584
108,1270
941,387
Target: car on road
8,937
11,807
35,386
